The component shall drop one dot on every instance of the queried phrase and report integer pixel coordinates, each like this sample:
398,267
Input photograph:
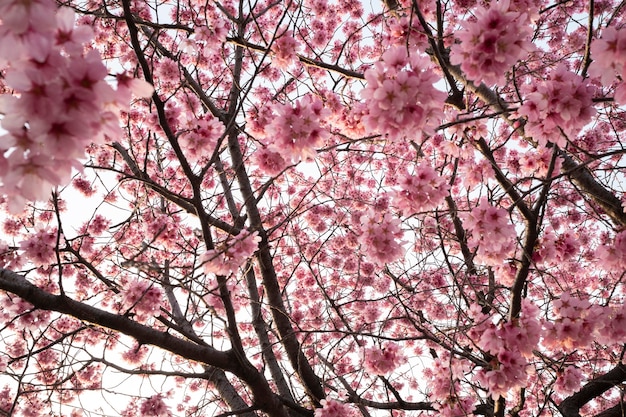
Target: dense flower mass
296,131
422,191
332,408
492,233
400,99
379,239
383,361
557,108
61,103
492,43
609,60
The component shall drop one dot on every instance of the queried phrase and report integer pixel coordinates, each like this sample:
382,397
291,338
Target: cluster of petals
491,232
142,297
380,237
383,361
400,99
510,344
40,246
61,103
445,389
231,254
576,324
154,407
332,408
558,107
296,130
492,43
609,60
422,191
613,256
569,380
285,50
200,136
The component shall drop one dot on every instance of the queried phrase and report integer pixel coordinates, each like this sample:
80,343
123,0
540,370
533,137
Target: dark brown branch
570,407
17,284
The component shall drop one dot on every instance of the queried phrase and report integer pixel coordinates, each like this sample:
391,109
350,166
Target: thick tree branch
17,284
570,407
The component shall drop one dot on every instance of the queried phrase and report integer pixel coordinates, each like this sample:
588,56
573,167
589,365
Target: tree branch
570,407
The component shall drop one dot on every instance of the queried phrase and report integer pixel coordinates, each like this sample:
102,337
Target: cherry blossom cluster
285,50
332,408
231,254
297,130
491,232
154,407
492,43
200,136
40,246
577,323
380,237
510,344
383,361
609,60
142,297
61,103
569,380
558,107
400,99
445,389
613,256
422,191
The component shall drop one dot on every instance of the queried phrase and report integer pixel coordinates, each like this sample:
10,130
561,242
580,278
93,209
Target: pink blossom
491,232
231,254
297,130
379,239
382,361
569,381
332,408
558,107
609,60
492,43
154,407
400,100
423,191
285,50
40,246
269,162
142,297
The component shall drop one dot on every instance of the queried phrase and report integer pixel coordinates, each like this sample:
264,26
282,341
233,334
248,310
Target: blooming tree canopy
314,208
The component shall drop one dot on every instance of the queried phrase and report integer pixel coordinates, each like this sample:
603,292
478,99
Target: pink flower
425,190
142,297
285,50
569,381
40,247
400,99
492,43
609,60
382,361
557,108
154,407
491,232
379,237
332,408
231,254
297,130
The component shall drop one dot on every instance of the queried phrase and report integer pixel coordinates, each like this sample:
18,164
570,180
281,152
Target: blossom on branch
492,43
231,254
558,107
400,99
